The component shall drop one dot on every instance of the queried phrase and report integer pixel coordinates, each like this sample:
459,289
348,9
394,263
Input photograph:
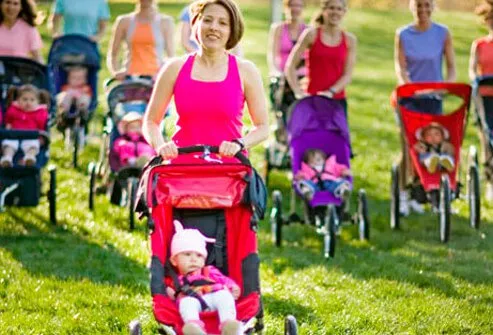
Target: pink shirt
20,40
332,170
19,119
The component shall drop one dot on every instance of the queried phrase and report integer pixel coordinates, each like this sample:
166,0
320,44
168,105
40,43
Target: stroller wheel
135,328
276,220
444,213
290,325
52,194
92,184
363,217
133,184
330,232
474,197
394,198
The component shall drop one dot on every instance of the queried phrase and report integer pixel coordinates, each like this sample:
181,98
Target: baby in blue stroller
74,62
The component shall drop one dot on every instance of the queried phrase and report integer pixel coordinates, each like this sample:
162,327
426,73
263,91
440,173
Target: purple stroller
317,122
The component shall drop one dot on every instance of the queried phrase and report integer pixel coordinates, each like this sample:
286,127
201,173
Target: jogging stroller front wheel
276,220
52,194
444,212
92,184
394,198
134,328
474,196
331,222
132,193
363,217
290,325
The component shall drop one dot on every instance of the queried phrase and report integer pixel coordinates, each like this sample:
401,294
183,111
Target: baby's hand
235,291
420,148
171,293
298,176
346,173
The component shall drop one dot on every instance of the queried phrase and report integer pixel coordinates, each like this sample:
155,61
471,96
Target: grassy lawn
88,274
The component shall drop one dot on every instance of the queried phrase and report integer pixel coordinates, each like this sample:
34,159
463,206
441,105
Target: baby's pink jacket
212,274
132,146
23,120
332,170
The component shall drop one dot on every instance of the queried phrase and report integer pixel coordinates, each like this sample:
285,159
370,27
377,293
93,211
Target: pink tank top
208,112
287,45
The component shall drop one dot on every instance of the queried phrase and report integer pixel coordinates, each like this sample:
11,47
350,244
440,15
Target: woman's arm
348,68
273,50
257,106
450,58
473,61
305,42
400,61
185,32
37,56
167,30
102,24
117,37
160,98
54,24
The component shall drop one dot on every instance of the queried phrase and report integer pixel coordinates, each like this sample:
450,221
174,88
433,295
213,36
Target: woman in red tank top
209,88
481,64
331,55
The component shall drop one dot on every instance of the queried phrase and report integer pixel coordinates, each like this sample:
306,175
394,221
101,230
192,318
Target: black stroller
21,185
120,182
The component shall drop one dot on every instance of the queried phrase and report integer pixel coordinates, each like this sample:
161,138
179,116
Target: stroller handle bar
24,135
141,78
206,150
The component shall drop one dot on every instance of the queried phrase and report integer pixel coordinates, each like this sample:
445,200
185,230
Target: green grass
88,275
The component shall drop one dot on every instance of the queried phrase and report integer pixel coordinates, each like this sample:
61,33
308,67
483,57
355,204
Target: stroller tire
394,198
75,133
276,220
134,328
290,325
444,212
330,232
363,217
474,197
133,185
92,184
52,194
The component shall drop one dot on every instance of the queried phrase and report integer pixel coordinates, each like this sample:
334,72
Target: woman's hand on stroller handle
168,150
229,148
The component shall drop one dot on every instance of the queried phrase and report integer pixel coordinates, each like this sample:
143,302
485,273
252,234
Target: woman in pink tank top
481,64
209,88
331,54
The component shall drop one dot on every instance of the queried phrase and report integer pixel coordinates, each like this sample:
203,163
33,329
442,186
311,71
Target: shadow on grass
62,254
411,255
277,307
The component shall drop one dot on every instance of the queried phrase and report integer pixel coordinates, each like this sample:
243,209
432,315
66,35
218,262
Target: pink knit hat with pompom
188,240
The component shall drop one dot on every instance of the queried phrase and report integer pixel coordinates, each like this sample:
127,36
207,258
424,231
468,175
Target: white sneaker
416,207
489,192
403,203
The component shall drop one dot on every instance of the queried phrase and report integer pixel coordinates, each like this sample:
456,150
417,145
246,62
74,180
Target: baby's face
433,136
77,78
317,159
188,261
134,127
28,101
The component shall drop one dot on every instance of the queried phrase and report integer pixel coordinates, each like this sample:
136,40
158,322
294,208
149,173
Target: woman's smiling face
214,27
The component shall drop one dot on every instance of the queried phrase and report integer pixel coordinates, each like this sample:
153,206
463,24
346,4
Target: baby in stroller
319,172
76,92
201,287
434,149
28,111
131,148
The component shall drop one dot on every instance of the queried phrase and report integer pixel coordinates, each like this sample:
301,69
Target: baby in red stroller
434,149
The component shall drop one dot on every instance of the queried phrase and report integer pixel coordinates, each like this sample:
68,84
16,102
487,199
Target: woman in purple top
419,51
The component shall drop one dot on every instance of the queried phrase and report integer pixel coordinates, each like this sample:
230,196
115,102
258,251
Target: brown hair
318,19
310,153
237,25
27,13
286,3
485,10
15,92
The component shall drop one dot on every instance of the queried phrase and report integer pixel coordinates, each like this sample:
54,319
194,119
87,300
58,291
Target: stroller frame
440,190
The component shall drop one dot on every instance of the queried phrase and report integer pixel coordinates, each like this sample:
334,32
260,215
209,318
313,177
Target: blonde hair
237,25
318,19
485,10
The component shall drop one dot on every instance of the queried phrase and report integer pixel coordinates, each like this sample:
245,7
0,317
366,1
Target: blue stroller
66,52
21,185
120,182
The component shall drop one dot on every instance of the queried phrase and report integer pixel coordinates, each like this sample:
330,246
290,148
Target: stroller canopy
74,49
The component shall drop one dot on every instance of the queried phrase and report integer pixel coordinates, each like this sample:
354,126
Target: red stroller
421,106
224,199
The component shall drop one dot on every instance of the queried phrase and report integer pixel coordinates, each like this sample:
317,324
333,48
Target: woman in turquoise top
419,50
85,17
